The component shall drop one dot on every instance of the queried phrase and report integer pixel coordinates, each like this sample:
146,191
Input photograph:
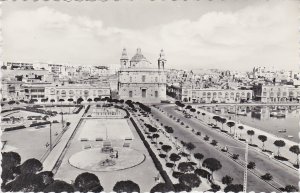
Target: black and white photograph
150,95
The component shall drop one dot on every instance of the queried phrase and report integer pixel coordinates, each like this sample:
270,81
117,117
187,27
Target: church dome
139,60
138,56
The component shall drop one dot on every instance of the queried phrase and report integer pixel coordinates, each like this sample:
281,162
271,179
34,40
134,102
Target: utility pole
50,137
246,169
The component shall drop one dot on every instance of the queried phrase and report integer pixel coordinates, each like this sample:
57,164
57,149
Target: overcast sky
229,34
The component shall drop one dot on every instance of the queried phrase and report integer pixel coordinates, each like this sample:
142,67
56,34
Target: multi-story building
140,81
215,95
12,90
276,93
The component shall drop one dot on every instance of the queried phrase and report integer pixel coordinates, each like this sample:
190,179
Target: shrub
202,173
177,174
198,133
15,128
162,155
206,138
170,165
215,187
235,156
267,176
251,165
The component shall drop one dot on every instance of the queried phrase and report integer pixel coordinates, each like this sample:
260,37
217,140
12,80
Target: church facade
141,81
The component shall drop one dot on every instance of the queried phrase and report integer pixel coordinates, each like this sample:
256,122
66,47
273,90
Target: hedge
87,109
79,109
157,163
39,123
15,128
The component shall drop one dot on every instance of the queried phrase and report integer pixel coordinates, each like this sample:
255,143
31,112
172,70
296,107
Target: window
130,79
156,79
156,94
143,78
130,94
143,93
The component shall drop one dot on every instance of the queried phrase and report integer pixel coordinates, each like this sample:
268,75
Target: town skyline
228,35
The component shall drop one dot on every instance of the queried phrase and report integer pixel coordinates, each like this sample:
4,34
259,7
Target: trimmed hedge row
15,128
87,109
127,113
157,163
39,123
79,109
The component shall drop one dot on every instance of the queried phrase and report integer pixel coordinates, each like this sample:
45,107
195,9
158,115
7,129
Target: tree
61,101
28,182
251,165
199,157
161,187
52,101
185,167
295,149
279,144
47,177
126,186
190,146
230,124
267,176
190,180
216,118
166,148
10,159
31,166
87,182
214,142
70,100
241,127
174,157
182,188
262,138
203,114
227,180
79,100
155,136
234,188
222,121
59,186
90,100
250,133
290,188
212,164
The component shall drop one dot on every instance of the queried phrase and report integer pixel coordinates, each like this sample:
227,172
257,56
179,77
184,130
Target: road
229,167
282,174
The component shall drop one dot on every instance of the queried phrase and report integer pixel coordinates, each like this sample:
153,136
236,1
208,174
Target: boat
277,114
281,108
290,136
242,113
282,130
217,109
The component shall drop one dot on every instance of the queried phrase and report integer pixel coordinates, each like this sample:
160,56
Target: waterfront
260,118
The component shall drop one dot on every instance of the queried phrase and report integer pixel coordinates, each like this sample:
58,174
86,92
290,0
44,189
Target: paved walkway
50,161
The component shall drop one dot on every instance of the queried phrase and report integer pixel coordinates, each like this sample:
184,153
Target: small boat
277,114
290,136
281,108
242,113
217,109
282,130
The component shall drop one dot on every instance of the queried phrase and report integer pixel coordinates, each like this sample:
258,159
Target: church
140,80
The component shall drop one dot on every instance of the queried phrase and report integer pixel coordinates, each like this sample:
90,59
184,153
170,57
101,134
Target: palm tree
70,100
222,121
52,101
199,157
262,138
250,133
241,127
295,150
90,100
230,124
216,118
279,144
203,114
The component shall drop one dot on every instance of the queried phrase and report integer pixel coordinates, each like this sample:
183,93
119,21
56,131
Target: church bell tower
161,60
124,59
